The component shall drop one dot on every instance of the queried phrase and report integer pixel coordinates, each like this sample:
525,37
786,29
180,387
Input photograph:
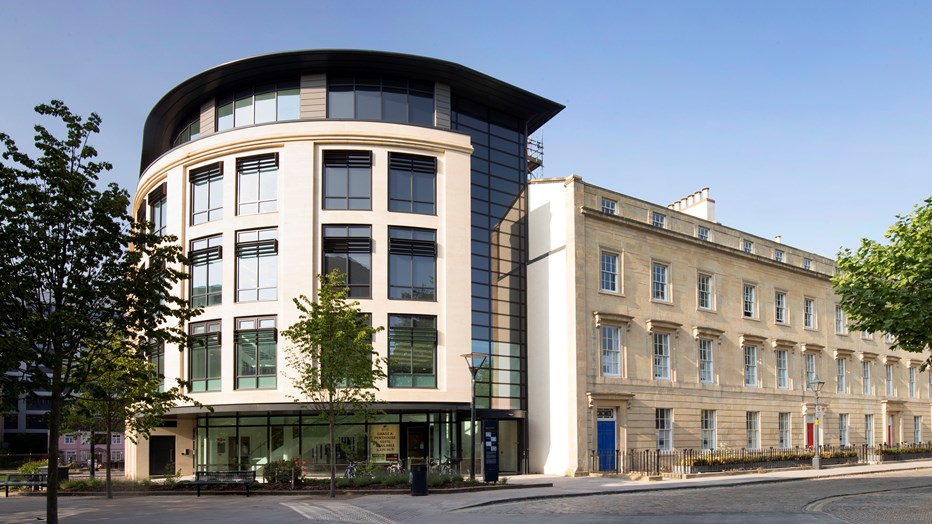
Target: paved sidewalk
598,485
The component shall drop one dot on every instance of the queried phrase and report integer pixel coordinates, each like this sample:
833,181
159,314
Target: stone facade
661,329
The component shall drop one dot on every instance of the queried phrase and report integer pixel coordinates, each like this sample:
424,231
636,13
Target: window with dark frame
155,354
206,258
206,193
412,348
158,203
257,184
412,264
383,99
256,352
257,265
412,182
347,180
348,248
204,354
272,102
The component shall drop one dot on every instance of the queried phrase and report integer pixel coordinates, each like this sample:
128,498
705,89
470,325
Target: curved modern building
409,174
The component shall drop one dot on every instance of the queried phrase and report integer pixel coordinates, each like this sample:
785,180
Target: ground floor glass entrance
226,442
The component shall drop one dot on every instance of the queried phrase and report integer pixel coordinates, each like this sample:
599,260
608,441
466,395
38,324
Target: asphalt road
890,498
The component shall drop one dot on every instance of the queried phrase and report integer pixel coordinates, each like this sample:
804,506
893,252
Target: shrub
281,471
438,480
32,466
82,485
395,479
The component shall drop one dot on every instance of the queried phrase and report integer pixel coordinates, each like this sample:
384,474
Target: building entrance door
414,444
161,455
606,439
809,432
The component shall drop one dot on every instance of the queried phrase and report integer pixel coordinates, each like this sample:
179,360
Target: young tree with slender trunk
332,357
75,272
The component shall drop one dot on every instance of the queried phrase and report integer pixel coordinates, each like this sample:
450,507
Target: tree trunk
333,458
109,438
55,409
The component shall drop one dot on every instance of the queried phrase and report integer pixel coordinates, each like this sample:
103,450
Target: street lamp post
816,386
471,359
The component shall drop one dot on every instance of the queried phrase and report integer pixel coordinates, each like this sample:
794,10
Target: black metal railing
686,461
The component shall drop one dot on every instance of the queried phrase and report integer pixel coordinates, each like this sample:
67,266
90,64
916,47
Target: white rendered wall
551,350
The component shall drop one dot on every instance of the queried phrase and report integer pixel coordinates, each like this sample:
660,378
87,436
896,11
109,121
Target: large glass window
412,182
609,272
347,180
750,366
706,370
664,423
611,351
869,430
661,356
206,271
265,103
204,356
840,323
412,348
158,205
257,265
257,181
349,250
389,100
256,353
206,193
155,354
412,261
190,130
913,386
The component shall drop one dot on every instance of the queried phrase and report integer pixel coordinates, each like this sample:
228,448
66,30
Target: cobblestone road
890,498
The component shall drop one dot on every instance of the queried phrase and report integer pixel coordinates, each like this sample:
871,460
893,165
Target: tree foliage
122,393
887,287
332,357
69,283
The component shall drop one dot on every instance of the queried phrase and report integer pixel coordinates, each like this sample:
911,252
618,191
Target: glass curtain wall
499,252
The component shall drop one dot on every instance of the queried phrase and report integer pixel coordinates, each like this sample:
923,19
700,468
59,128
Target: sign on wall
385,443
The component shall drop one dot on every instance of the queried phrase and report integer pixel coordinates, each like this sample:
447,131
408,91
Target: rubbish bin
418,480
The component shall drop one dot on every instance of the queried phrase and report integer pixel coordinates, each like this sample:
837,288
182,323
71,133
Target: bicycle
396,467
350,470
449,466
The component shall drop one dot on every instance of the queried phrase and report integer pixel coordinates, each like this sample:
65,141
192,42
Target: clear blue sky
810,120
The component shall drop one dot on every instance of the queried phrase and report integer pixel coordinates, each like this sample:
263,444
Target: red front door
809,441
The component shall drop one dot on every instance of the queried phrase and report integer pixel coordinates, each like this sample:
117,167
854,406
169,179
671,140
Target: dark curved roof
187,97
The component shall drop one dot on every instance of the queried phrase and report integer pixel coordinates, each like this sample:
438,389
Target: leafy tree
887,288
122,394
332,356
69,283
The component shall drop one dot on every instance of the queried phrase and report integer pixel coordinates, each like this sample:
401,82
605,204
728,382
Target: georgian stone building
655,327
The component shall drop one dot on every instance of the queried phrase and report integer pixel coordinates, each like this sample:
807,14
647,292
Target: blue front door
606,438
